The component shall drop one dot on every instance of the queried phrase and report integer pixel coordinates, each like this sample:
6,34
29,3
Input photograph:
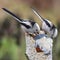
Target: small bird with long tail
47,25
28,25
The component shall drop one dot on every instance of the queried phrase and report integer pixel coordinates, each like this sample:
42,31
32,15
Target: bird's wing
16,18
40,17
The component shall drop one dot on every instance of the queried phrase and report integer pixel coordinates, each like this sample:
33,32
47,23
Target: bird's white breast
45,44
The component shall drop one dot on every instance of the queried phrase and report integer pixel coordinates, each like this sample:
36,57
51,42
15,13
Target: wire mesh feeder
33,53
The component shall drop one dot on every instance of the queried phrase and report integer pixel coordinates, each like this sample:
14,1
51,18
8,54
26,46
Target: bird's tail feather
16,18
40,17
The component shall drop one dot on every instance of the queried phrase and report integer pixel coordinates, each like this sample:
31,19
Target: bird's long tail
36,13
16,18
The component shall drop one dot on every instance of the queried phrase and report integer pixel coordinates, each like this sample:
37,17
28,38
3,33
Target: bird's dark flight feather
27,26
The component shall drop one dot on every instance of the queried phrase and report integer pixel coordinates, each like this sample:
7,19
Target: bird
28,26
47,25
43,43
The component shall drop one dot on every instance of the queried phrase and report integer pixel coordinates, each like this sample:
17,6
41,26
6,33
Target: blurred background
12,40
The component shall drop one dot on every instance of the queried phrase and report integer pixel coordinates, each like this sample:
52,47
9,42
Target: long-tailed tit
44,43
47,25
28,25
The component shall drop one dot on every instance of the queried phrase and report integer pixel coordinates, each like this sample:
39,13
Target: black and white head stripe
53,27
